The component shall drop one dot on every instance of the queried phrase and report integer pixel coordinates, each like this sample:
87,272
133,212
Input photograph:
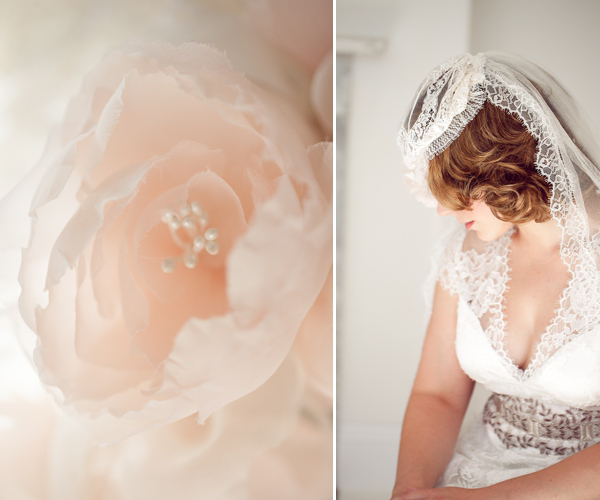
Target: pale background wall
385,235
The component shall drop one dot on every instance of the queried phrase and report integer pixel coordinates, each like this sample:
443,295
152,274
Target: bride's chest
533,297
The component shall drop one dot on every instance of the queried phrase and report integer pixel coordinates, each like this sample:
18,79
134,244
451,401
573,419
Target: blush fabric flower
176,233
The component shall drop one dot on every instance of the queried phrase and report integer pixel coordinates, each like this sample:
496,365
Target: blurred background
47,47
384,236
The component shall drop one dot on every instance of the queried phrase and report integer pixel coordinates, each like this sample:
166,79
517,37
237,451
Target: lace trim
528,423
459,122
476,277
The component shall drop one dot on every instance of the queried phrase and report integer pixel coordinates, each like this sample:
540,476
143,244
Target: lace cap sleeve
445,263
470,268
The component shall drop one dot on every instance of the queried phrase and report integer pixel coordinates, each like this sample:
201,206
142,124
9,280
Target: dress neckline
496,331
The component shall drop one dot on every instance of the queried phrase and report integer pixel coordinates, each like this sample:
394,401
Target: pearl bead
212,247
203,219
211,234
167,217
185,210
196,208
189,223
199,243
168,265
174,223
190,260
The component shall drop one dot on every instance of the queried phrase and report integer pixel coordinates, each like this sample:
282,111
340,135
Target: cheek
498,224
484,214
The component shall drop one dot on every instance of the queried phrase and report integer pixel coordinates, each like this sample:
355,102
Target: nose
442,210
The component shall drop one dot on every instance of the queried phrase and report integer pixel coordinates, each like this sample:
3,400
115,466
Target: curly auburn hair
492,160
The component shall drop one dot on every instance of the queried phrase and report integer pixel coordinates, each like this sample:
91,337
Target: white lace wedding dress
537,416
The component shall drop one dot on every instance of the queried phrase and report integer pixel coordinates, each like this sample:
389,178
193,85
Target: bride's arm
577,476
437,404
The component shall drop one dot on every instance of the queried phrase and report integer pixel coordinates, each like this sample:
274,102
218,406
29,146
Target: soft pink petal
56,355
187,460
301,467
87,219
315,339
304,29
321,157
321,94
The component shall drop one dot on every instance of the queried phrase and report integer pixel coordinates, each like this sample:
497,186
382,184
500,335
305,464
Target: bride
499,145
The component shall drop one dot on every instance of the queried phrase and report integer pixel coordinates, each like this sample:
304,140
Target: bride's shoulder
466,260
461,250
460,242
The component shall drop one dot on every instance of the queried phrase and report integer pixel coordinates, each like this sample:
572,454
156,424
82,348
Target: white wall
387,236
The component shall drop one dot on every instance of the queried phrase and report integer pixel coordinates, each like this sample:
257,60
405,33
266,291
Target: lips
469,224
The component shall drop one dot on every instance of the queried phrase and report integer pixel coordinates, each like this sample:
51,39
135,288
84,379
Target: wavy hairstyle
492,160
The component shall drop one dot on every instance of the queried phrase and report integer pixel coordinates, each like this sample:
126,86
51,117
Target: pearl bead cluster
191,222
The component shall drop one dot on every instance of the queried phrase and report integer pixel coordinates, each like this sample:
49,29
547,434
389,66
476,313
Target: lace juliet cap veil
567,156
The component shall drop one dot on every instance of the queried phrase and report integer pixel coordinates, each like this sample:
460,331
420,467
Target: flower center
189,231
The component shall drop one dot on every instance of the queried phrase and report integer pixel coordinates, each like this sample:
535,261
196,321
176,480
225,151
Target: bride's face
478,218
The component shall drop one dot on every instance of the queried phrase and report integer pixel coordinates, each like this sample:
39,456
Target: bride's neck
539,236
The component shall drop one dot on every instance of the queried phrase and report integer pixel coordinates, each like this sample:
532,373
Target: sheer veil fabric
551,408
